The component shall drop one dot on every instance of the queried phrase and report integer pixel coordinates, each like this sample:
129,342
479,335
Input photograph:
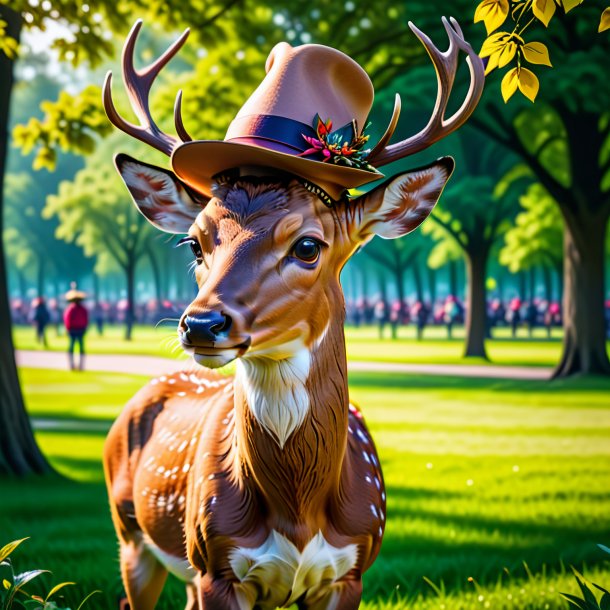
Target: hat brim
197,162
75,295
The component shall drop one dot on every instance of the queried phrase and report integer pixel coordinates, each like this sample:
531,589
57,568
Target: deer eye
195,247
307,250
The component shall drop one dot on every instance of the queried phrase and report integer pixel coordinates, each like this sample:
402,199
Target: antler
445,65
138,84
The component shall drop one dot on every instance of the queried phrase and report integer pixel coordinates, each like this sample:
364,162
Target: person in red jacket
76,320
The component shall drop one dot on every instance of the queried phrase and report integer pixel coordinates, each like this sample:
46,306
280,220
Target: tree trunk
400,283
130,311
532,281
476,314
432,284
548,283
383,287
453,278
19,453
522,284
40,279
584,324
23,288
417,279
156,272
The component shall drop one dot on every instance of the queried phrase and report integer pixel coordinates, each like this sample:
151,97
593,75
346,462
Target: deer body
264,490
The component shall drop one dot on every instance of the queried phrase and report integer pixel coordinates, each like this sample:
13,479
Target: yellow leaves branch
503,48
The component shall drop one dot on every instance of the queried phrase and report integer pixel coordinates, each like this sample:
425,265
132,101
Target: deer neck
291,425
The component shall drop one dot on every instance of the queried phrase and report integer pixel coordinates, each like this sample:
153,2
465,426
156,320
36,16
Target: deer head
269,243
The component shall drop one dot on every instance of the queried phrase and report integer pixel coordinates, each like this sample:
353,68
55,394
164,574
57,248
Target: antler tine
138,84
445,64
180,129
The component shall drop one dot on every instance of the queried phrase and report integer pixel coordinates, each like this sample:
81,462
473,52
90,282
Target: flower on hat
341,147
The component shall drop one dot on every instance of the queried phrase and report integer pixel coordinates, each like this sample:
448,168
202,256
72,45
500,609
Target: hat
73,294
307,117
290,123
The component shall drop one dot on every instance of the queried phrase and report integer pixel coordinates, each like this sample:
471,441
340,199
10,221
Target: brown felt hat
301,83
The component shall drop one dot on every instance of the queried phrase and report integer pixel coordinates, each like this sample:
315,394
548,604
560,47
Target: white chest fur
276,574
275,392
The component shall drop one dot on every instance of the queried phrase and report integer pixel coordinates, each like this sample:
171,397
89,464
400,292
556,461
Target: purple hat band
273,132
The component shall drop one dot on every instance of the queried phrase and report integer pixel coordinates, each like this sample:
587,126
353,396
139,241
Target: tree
564,140
18,451
536,237
397,256
96,212
473,213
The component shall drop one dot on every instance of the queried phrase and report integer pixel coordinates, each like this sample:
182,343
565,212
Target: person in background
381,315
531,317
513,315
76,320
40,317
452,312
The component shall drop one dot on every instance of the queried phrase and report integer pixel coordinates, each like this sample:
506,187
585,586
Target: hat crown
308,80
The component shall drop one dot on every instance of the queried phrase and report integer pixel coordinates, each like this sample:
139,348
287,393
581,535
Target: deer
264,489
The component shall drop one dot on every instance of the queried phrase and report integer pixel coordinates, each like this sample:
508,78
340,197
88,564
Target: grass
482,476
363,344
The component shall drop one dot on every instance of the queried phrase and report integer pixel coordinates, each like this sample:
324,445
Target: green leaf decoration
56,588
7,549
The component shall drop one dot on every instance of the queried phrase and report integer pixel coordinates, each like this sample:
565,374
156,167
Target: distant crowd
449,312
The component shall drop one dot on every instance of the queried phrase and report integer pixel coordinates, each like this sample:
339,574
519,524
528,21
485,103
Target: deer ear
165,201
401,204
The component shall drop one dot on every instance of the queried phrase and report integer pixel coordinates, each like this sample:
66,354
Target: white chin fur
275,391
217,360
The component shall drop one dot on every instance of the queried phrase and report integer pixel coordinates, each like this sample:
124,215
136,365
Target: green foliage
589,600
475,206
12,585
8,45
536,238
69,124
95,211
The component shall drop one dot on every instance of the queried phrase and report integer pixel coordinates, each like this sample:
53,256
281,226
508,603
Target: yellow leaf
568,5
493,43
528,83
507,54
536,53
6,584
604,23
509,84
7,549
492,12
492,63
543,10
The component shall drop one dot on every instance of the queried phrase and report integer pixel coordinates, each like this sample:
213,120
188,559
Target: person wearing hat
76,320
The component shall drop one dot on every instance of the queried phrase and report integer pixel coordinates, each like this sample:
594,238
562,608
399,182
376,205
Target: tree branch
458,238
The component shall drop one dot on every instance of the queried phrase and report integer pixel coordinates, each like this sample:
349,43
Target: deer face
268,253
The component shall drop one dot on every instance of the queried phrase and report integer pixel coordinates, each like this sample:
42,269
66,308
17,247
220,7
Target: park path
153,365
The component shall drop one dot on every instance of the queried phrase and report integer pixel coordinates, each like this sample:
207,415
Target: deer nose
207,327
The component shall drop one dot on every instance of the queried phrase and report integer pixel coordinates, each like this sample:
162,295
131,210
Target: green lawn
482,476
362,344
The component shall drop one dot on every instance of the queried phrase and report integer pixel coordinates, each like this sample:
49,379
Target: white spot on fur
284,574
275,392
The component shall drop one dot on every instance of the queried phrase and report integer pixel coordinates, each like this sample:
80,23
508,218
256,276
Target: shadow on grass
408,381
479,546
